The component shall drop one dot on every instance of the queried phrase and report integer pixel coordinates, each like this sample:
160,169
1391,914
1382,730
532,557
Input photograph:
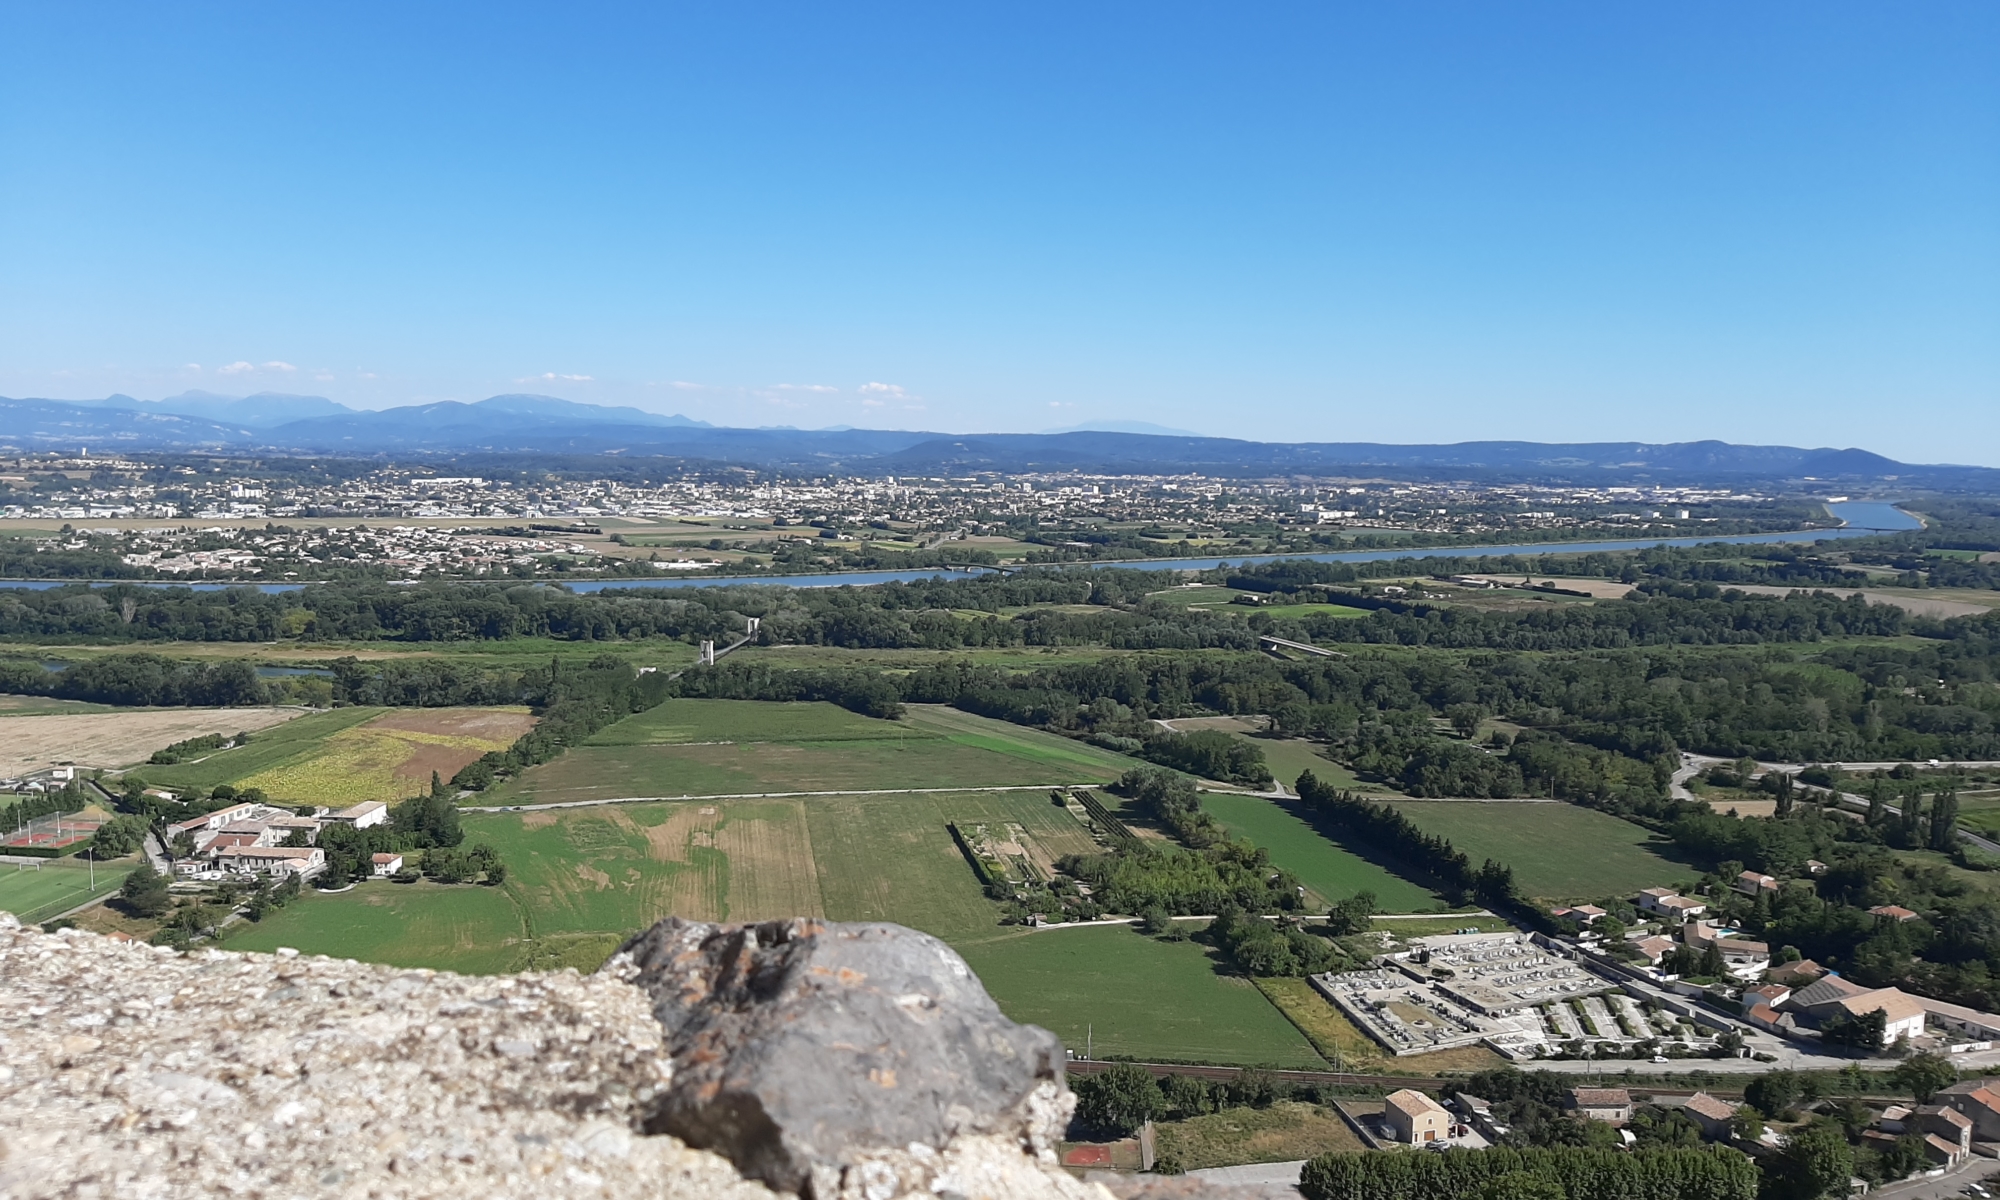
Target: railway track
1422,1083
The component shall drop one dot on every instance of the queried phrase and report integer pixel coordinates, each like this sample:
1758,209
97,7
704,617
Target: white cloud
323,375
884,389
819,388
190,366
873,403
552,377
235,368
279,366
685,386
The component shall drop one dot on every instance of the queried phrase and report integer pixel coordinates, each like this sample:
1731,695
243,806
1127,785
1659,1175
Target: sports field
457,927
1558,851
1321,864
353,754
1130,994
37,893
748,747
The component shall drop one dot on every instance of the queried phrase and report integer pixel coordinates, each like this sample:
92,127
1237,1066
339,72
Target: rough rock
132,1071
838,1058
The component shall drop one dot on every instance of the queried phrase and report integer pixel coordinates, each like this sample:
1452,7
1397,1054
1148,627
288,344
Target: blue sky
1409,222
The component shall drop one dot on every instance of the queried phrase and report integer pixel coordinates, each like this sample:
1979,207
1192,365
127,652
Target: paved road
1019,787
1282,1173
1973,1170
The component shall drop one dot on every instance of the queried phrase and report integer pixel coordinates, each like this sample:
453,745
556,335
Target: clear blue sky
1400,222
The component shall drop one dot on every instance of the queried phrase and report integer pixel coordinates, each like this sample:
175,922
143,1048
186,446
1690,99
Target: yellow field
121,737
392,755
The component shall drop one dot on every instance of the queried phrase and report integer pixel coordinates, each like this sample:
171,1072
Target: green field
1288,758
725,747
1558,851
1342,611
460,927
1134,995
1322,865
37,893
268,750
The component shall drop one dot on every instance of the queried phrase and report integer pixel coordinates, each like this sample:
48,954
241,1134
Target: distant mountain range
275,423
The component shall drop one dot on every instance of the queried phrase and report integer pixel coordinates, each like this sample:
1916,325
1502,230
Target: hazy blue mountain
554,408
61,425
516,425
258,411
1146,427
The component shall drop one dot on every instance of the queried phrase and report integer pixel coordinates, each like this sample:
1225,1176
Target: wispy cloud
552,377
817,388
190,366
280,366
236,368
894,391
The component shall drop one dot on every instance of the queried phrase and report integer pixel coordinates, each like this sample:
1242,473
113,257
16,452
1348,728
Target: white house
388,864
362,815
273,860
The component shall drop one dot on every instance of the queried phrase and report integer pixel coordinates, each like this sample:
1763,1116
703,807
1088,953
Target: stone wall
805,1057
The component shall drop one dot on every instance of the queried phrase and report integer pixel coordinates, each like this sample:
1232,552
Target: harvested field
120,738
1284,1132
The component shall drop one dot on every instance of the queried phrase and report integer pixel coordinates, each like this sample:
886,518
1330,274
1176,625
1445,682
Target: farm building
273,860
1416,1118
362,815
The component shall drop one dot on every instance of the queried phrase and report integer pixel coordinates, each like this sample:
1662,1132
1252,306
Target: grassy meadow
457,927
728,747
1323,865
1130,994
1558,851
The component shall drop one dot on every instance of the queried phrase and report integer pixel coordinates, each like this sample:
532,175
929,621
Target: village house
1750,883
1654,948
1711,1114
1892,912
1611,1105
387,864
1773,994
1743,958
1948,1123
1666,902
1795,974
1582,914
1979,1103
1415,1118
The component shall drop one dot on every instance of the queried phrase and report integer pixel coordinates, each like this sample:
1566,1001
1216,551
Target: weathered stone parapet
131,1071
816,1055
